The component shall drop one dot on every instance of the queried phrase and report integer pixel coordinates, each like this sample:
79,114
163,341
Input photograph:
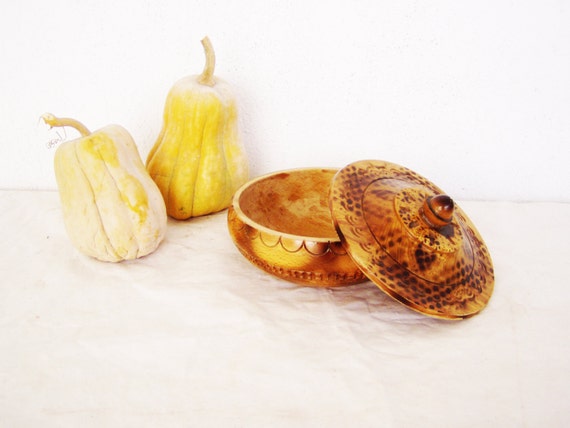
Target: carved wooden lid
411,240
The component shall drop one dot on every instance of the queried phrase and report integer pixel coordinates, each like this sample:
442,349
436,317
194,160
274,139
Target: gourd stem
53,121
207,76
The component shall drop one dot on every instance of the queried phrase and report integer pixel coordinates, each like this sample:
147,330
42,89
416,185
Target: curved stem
207,76
53,121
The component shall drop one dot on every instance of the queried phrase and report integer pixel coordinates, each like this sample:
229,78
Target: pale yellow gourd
112,209
198,160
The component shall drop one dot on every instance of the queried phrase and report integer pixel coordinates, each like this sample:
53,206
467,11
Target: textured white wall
473,95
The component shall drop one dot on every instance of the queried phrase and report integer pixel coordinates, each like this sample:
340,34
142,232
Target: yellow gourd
112,209
198,160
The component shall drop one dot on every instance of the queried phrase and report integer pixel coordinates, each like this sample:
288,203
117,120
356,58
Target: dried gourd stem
207,76
53,121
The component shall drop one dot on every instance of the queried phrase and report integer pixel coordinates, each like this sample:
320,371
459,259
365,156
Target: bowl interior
293,202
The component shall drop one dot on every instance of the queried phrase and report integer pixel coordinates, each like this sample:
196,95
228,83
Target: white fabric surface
194,335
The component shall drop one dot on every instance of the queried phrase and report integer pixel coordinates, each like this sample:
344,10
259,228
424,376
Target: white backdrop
473,95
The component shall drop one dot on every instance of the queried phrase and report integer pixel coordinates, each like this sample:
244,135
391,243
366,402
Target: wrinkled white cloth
194,335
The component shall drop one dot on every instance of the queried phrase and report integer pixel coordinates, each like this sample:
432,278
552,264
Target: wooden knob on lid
437,211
